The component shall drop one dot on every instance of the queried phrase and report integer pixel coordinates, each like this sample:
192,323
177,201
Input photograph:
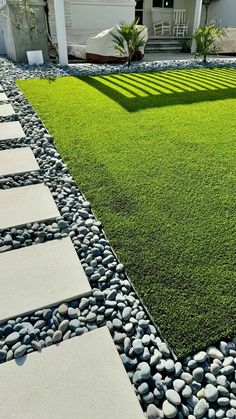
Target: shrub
205,38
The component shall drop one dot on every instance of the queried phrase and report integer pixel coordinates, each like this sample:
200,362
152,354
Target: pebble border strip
202,385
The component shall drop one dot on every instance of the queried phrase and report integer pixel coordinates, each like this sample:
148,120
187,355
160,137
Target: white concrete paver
39,276
82,378
26,204
3,97
11,130
18,160
6,110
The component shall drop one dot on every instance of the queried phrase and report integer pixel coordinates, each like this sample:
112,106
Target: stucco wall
224,11
85,18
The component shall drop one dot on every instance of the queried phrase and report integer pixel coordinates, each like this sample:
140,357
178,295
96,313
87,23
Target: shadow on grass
136,92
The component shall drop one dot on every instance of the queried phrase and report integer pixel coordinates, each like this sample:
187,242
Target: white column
197,20
61,31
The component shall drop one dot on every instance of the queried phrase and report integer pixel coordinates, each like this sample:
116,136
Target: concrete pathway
16,161
11,131
82,377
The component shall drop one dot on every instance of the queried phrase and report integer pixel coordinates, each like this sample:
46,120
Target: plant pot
35,57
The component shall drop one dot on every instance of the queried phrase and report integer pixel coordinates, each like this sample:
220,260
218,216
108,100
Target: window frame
163,4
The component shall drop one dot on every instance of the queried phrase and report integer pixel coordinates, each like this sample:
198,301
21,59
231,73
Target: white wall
224,11
85,18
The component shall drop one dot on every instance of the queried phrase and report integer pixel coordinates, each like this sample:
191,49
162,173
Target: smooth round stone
220,413
213,352
154,413
200,409
223,391
12,338
126,313
20,351
148,397
233,403
224,348
169,365
222,380
63,326
138,346
3,355
200,357
178,368
231,413
198,374
210,378
146,339
128,327
63,309
57,336
47,314
201,393
228,361
178,384
214,368
186,377
169,410
223,401
91,317
74,324
211,393
211,413
173,397
187,392
145,371
117,323
143,388
229,369
36,345
72,313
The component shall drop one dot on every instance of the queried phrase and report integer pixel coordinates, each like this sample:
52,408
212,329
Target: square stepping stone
15,161
3,97
82,378
6,110
11,130
26,204
38,276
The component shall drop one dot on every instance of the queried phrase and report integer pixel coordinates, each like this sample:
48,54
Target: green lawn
155,154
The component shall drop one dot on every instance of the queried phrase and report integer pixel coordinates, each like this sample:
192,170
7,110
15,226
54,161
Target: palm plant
129,40
205,37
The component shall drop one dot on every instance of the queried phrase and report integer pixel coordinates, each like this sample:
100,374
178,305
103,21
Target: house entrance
139,11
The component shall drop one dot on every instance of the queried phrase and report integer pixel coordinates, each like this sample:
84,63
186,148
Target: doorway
139,11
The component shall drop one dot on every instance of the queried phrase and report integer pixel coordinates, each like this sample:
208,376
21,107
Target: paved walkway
82,377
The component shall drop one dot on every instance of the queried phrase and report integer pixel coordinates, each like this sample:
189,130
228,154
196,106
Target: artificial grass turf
155,154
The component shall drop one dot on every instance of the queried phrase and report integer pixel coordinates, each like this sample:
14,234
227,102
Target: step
11,131
159,42
6,110
3,97
16,161
80,378
40,276
157,49
26,204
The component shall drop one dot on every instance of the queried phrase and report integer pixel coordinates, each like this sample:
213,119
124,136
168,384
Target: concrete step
6,110
40,276
26,204
80,378
3,97
164,48
11,131
16,161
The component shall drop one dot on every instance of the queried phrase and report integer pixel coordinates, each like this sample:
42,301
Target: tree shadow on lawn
135,92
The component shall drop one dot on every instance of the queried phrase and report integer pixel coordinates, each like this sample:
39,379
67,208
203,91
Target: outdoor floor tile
18,160
6,110
38,276
3,97
82,378
11,130
26,204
